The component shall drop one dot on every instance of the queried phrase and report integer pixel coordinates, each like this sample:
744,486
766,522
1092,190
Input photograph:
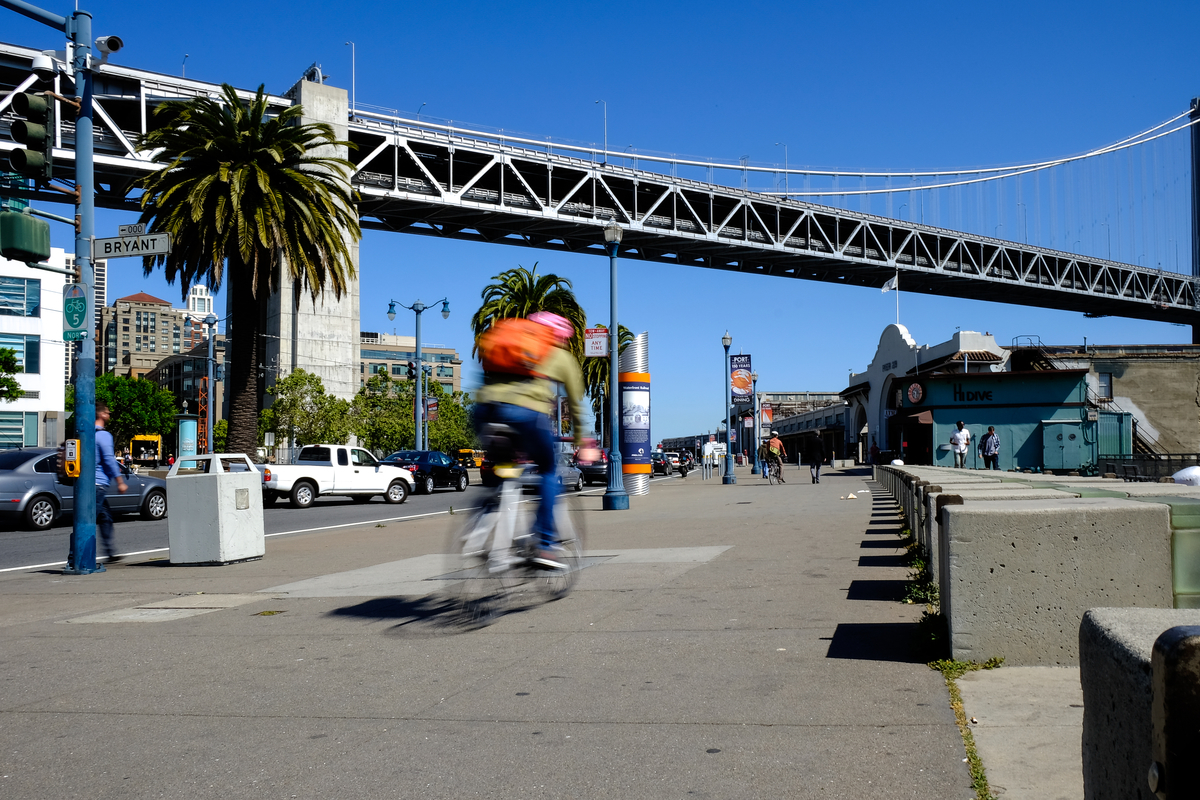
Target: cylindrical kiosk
187,435
633,379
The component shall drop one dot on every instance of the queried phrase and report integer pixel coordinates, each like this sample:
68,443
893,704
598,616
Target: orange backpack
515,347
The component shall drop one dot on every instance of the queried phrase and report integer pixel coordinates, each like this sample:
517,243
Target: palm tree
596,371
520,292
250,193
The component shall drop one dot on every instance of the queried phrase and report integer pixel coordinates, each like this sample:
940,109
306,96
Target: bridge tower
321,337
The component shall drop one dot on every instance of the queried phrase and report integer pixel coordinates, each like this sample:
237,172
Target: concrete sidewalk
730,641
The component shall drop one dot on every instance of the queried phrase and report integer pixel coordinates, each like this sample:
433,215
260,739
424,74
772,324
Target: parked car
660,464
569,474
431,469
30,491
595,472
331,469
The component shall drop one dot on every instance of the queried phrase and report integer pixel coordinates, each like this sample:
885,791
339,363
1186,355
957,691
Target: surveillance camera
108,45
44,67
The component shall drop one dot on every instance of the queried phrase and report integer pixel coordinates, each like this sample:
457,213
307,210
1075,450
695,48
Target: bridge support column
1195,203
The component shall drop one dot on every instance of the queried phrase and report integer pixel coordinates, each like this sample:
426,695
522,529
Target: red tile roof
142,297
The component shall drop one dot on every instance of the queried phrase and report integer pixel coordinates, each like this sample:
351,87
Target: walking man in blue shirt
106,468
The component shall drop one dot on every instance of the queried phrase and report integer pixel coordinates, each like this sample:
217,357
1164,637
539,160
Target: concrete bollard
1116,653
1175,708
1019,575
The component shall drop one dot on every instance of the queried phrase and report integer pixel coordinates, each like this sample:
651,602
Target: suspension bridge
435,178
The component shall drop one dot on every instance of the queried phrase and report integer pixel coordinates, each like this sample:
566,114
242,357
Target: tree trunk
242,358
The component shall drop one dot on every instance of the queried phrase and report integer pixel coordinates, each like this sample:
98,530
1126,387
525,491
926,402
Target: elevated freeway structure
436,179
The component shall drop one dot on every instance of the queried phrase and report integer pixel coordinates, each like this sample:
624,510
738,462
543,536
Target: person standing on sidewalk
960,440
106,468
989,448
816,457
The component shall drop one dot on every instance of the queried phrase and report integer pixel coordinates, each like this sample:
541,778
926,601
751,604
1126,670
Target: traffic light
23,237
36,132
412,370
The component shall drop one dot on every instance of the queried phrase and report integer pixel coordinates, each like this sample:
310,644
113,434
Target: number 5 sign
75,316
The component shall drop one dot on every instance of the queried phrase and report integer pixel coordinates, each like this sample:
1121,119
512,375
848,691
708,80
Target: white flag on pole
893,283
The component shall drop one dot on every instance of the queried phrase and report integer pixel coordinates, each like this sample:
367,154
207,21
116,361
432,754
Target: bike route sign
75,316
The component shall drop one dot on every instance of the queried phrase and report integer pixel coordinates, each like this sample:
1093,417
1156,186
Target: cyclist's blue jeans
537,438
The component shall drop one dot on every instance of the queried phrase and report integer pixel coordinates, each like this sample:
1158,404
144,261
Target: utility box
216,510
1063,445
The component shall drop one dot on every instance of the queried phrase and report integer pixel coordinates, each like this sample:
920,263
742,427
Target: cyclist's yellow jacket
538,393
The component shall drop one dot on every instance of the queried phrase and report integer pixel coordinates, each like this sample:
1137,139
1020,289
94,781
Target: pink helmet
561,326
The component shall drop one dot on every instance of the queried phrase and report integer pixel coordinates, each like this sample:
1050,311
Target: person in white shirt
960,440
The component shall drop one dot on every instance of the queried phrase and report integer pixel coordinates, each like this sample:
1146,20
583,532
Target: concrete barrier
1019,575
1115,670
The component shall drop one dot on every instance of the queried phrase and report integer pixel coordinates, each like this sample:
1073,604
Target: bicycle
774,472
492,550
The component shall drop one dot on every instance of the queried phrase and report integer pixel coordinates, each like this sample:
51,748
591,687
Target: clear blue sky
853,86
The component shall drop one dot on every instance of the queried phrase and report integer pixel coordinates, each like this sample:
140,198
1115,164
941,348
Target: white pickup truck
334,469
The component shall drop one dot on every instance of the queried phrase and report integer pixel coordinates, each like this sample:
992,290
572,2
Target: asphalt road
21,548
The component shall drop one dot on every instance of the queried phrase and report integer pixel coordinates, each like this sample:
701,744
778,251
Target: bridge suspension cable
1009,172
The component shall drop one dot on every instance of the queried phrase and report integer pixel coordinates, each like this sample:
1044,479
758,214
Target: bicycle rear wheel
772,475
478,593
569,518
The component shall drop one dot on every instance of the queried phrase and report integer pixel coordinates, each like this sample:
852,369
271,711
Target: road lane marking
301,530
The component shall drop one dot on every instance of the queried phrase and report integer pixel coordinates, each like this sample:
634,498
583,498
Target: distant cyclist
776,453
522,364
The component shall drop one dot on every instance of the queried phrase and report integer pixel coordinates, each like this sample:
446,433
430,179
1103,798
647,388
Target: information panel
635,420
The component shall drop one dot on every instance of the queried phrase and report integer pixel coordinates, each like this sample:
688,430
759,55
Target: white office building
31,326
199,302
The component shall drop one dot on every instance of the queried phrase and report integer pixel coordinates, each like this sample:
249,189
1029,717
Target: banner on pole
739,377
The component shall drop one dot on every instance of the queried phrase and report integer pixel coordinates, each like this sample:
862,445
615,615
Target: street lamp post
728,477
604,158
418,308
757,434
211,322
353,79
785,170
615,497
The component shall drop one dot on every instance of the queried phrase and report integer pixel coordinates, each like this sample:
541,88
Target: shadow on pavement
881,561
881,543
421,616
891,590
875,641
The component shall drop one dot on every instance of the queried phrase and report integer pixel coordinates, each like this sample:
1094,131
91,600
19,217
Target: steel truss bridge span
443,181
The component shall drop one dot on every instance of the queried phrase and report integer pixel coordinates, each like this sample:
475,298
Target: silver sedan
30,491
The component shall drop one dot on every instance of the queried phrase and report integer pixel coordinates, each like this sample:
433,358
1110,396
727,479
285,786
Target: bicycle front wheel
569,518
478,591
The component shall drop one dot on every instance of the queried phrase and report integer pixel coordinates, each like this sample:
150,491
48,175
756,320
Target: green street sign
75,316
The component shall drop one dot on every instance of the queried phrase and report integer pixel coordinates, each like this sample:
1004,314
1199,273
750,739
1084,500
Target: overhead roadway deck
443,181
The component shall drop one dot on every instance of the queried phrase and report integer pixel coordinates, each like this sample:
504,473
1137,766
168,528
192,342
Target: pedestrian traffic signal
412,370
36,132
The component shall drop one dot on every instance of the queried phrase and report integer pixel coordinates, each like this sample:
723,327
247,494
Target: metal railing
1150,467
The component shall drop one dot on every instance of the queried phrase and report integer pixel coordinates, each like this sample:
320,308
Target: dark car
659,463
30,491
431,469
595,472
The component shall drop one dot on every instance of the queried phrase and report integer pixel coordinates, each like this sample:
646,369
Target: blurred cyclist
522,364
776,452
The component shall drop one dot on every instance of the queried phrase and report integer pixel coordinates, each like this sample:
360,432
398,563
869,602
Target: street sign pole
83,531
78,27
